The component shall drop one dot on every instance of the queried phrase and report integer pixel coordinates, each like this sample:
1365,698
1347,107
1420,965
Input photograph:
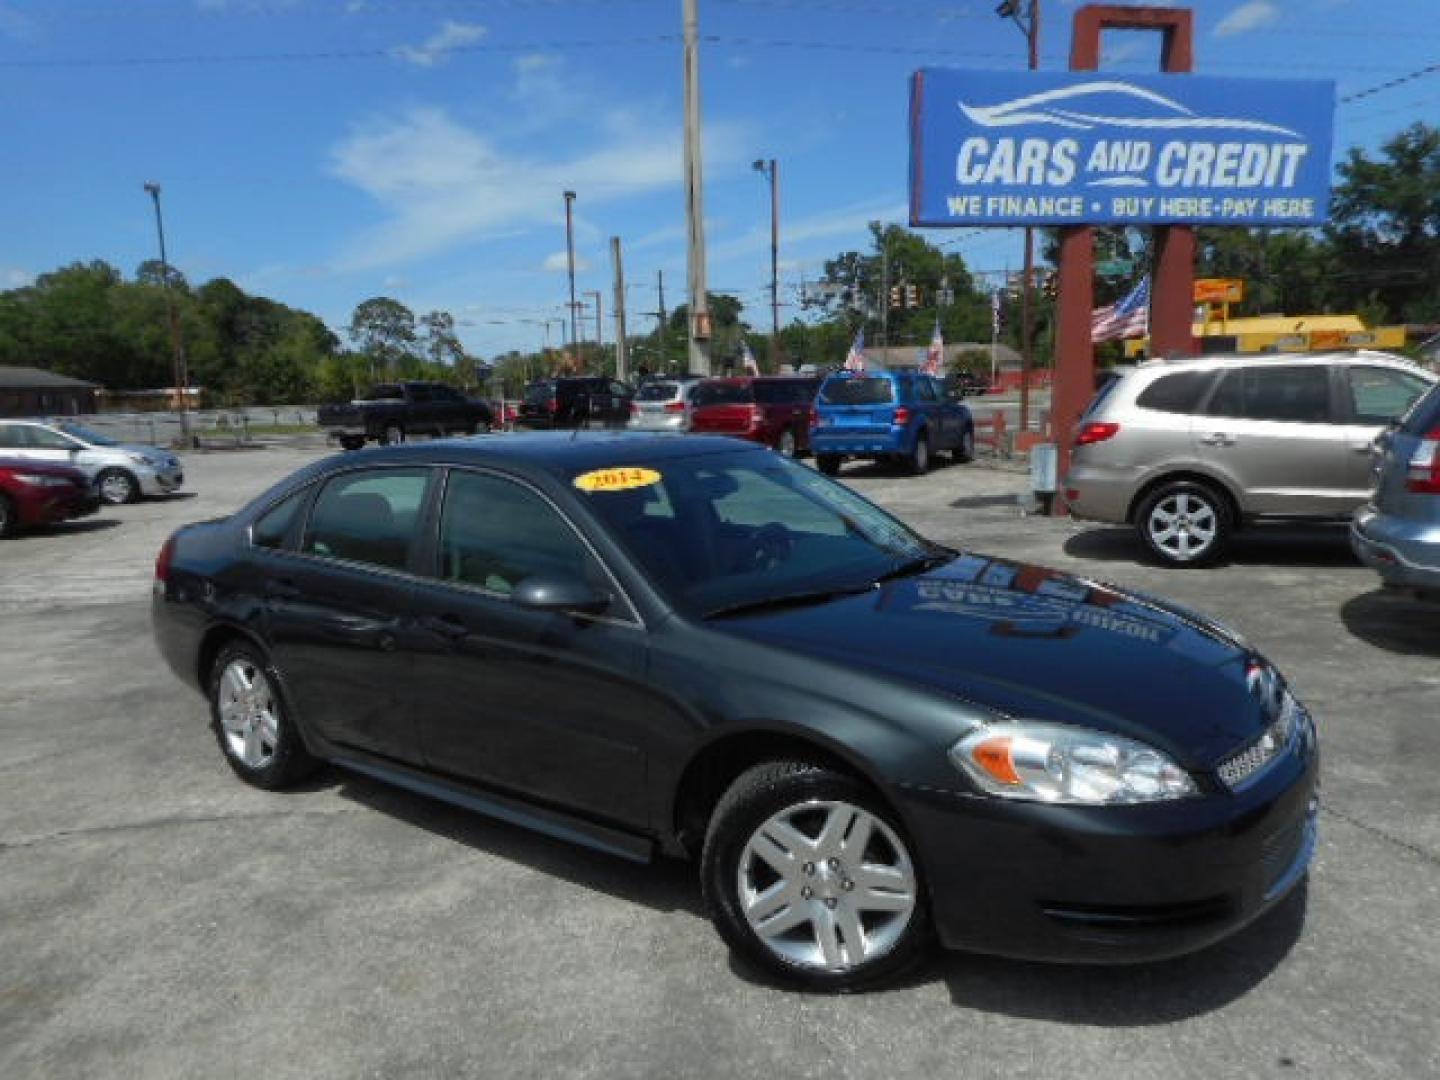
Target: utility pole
594,294
770,170
884,288
622,347
698,328
177,345
570,261
664,329
1029,24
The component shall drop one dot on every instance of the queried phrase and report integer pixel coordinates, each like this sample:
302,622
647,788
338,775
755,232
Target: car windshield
84,434
658,391
721,533
538,393
861,391
721,393
385,392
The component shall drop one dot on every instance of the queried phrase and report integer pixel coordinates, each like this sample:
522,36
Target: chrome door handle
1217,439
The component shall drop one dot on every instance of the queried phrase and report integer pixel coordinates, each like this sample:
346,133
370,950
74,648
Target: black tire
917,462
393,435
351,442
9,517
829,464
754,798
117,486
965,452
288,760
1175,517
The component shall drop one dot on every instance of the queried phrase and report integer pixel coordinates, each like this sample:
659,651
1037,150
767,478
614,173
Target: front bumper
1406,554
1113,884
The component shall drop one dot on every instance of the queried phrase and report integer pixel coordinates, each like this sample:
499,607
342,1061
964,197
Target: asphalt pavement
160,919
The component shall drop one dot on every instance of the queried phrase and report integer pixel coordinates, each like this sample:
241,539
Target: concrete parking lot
159,918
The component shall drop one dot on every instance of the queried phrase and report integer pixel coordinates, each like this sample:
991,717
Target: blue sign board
1087,147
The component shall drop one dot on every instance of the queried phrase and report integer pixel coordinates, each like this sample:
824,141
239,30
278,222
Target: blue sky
325,151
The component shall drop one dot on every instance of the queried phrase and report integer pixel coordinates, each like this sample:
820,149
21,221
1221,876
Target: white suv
1188,450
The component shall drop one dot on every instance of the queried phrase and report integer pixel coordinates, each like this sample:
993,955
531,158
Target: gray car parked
1398,531
1188,451
121,472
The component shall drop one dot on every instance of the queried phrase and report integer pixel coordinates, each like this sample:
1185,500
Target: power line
1390,84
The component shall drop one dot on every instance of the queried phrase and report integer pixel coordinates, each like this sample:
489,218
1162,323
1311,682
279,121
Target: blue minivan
895,416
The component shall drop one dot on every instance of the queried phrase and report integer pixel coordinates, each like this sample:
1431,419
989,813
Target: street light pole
771,170
699,320
570,262
177,345
1029,24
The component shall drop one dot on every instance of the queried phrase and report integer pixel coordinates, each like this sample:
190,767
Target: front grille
1287,731
1248,762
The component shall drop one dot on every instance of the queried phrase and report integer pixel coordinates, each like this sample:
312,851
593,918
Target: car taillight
675,406
1423,475
902,416
1094,432
162,561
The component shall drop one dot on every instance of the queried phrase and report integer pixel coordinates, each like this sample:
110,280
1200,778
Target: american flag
1126,319
935,355
747,359
855,358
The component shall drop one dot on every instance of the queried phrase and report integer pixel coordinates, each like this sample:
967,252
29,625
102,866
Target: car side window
1178,393
368,517
271,529
926,389
1291,394
495,533
1382,395
45,439
12,437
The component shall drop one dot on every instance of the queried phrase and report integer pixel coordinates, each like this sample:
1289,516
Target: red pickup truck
769,409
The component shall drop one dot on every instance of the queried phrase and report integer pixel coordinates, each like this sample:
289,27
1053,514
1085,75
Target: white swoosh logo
1041,109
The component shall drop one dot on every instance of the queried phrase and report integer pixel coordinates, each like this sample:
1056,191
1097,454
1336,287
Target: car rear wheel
394,435
965,452
919,460
351,442
1184,523
787,444
259,741
809,877
117,487
829,464
8,517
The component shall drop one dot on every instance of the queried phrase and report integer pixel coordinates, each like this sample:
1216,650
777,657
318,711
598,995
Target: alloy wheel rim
115,488
826,885
1183,526
249,715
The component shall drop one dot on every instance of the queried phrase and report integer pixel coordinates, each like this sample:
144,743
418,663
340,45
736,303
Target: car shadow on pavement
664,884
76,528
1277,546
1394,622
1130,995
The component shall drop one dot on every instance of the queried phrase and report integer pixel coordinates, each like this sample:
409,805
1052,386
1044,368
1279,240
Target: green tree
442,346
384,329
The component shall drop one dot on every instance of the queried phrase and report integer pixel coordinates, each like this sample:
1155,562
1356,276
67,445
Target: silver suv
1186,451
1398,531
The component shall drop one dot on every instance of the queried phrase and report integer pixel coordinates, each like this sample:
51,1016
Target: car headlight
1058,764
35,480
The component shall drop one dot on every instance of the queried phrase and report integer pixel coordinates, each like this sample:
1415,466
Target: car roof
559,452
1363,356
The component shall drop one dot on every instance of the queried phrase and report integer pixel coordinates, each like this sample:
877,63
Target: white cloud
438,47
1248,16
394,281
445,184
559,263
17,279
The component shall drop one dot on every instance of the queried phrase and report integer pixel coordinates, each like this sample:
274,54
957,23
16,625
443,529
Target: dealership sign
1082,147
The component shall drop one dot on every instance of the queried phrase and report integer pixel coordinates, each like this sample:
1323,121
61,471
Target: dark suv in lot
575,401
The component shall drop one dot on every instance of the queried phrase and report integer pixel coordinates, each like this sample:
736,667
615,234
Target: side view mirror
559,593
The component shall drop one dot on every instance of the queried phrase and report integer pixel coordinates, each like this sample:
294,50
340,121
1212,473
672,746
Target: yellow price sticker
616,479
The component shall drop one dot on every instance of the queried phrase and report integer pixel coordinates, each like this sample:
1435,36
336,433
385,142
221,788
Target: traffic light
896,296
912,296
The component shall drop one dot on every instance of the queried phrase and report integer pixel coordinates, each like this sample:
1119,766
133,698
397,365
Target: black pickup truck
391,412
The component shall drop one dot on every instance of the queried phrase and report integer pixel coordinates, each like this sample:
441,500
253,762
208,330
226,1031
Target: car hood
1026,641
152,453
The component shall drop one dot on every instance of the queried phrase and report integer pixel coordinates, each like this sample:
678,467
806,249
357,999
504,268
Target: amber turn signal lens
994,757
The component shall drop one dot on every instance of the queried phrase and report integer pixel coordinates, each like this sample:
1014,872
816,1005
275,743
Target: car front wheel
117,486
809,877
259,740
829,464
1184,524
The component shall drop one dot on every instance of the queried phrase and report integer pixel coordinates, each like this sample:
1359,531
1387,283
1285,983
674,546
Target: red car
37,493
769,409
